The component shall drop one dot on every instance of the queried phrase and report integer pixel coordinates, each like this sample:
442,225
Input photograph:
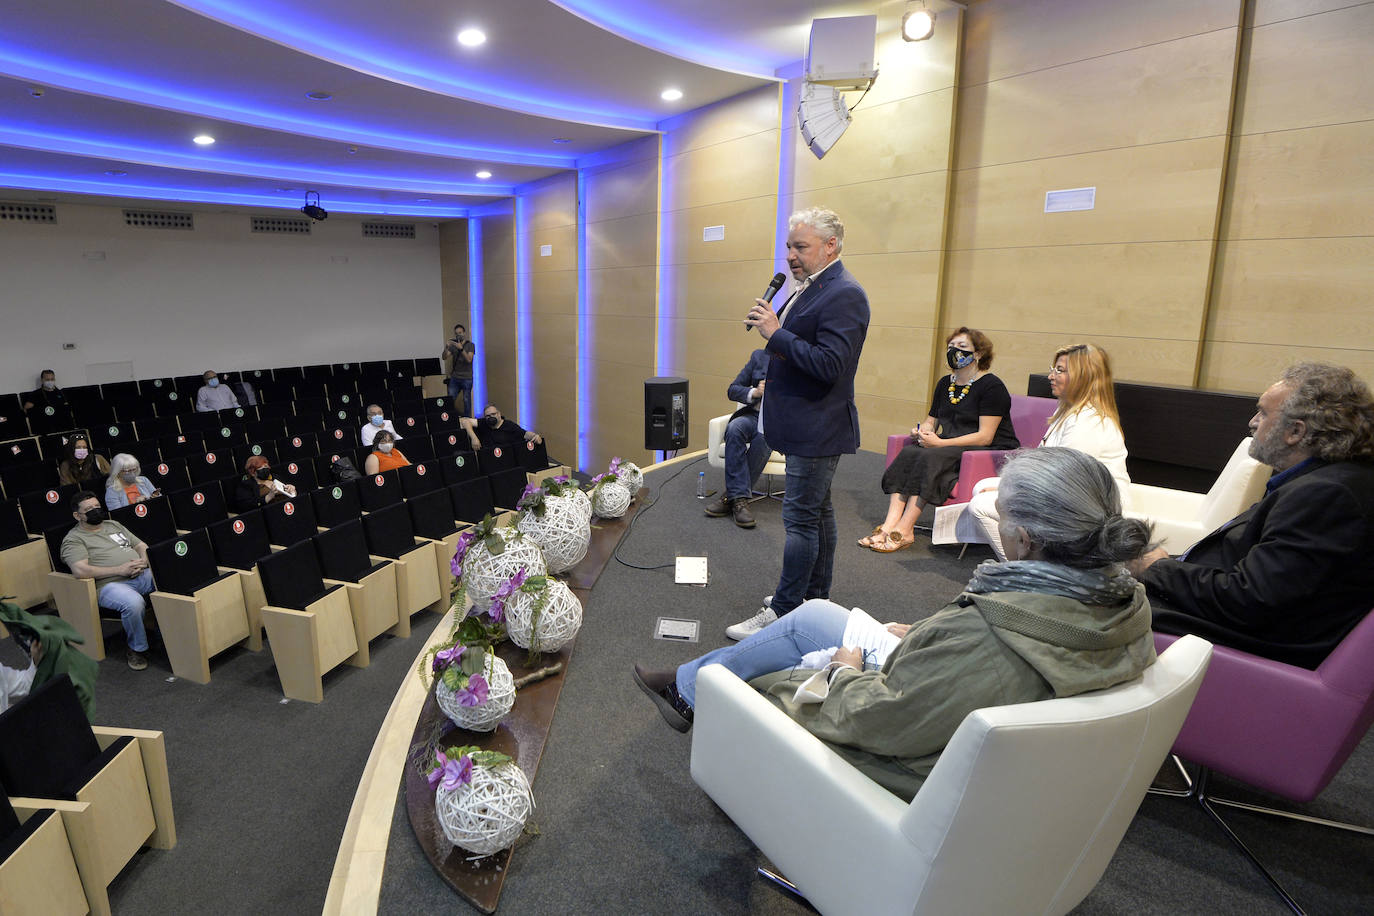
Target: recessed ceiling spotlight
352,151
36,91
285,190
670,95
484,174
202,139
319,96
423,200
562,139
115,173
471,38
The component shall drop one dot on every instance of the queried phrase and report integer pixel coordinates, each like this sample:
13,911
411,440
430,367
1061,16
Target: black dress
931,473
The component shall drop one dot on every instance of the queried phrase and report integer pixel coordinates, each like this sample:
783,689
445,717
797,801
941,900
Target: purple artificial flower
598,478
446,657
530,490
437,773
475,693
497,610
615,465
465,541
562,478
457,773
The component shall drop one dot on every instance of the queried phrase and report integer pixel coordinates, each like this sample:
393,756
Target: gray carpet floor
262,787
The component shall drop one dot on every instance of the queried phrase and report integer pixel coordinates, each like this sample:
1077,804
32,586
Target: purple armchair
1283,729
1030,417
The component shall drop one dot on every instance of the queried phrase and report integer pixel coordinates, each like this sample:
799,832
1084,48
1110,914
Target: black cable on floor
637,515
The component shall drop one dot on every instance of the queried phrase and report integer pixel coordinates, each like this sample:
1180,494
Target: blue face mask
378,420
213,383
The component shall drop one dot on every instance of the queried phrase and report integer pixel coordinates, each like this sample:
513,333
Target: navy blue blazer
754,371
809,401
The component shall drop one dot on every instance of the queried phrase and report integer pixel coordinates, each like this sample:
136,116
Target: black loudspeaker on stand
665,413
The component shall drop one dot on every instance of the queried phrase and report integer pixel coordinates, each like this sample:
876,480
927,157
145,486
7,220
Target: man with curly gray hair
1291,576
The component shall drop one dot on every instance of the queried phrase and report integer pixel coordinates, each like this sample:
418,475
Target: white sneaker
768,601
746,628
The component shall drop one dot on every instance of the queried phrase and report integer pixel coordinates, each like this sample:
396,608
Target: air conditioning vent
13,211
388,230
158,219
281,225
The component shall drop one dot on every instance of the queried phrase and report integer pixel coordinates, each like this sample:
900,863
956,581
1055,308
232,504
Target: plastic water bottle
701,484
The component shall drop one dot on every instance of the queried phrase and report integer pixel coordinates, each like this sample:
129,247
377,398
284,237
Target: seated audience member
214,396
117,560
746,449
15,683
972,410
47,394
81,464
1289,577
1060,617
385,455
51,645
493,430
126,485
1086,419
257,487
376,422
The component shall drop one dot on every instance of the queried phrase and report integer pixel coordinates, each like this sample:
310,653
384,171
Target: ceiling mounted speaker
840,52
822,117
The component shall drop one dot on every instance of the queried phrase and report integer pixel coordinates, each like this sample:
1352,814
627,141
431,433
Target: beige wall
1295,268
548,212
720,169
498,310
453,276
1232,233
621,212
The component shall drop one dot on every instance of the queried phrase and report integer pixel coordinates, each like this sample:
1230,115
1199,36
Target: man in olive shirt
109,553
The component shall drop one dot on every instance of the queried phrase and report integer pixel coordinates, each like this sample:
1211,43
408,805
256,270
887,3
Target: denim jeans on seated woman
817,624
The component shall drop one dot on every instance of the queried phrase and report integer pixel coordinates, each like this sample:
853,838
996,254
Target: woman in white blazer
1086,419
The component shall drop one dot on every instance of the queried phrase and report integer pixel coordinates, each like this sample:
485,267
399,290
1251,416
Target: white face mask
385,448
49,384
128,476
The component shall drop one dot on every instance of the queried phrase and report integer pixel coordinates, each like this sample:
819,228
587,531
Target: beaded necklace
962,394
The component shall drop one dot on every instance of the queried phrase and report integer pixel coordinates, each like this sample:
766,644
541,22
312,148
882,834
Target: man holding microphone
814,342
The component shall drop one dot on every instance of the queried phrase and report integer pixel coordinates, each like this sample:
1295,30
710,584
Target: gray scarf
1104,586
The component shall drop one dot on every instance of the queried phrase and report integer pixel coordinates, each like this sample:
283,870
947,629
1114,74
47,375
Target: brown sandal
867,540
895,541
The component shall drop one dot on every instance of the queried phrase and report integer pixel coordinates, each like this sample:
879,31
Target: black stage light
314,211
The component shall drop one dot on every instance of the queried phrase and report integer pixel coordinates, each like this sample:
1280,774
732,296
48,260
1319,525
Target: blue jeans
746,452
461,387
777,647
808,553
127,598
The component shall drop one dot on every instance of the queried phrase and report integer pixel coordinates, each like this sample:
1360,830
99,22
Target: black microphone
778,280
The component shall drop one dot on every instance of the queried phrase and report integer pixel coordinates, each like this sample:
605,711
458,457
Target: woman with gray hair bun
125,484
1060,617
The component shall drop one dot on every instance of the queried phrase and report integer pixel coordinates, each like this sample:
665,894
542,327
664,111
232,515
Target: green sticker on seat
181,548
337,492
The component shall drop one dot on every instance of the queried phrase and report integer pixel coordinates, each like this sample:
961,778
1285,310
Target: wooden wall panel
550,287
453,278
1294,268
498,309
620,207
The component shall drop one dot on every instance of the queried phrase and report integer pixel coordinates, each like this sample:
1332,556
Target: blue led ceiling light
103,148
21,65
311,40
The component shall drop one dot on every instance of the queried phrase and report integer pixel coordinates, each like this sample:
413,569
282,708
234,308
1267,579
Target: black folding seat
212,464
27,478
310,406
404,390
51,508
288,374
317,373
340,435
12,530
200,422
290,520
308,390
471,499
241,541
150,387
373,369
459,466
167,476
534,457
428,365
493,460
508,486
227,436
187,387
275,410
431,514
201,610
304,424
301,447
271,428
401,369
158,427
93,413
198,507
82,395
18,452
447,442
244,413
418,448
377,491
412,423
151,520
374,391
148,452
185,445
300,474
265,449
113,438
13,423
129,409
171,403
336,503
390,534
419,477
50,419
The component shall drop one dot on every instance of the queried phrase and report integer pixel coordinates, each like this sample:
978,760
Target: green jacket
60,655
978,651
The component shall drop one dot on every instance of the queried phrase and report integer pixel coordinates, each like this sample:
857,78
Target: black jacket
1288,578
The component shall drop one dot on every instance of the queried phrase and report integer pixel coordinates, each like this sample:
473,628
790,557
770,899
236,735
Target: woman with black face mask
257,487
971,409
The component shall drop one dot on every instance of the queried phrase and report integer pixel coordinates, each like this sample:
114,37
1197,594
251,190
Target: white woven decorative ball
500,699
610,499
583,503
483,573
488,814
631,476
558,623
563,532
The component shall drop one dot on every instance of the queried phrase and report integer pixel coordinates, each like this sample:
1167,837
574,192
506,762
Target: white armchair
1021,814
715,454
1182,518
